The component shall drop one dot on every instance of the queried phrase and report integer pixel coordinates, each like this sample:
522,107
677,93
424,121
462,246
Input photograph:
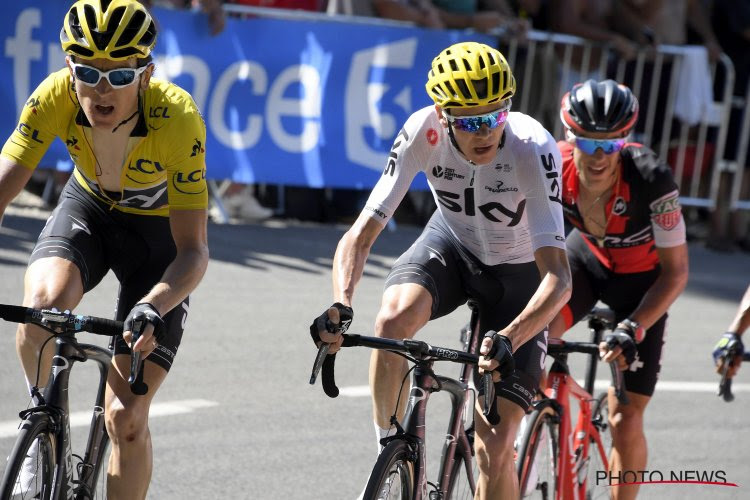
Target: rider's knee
493,455
126,424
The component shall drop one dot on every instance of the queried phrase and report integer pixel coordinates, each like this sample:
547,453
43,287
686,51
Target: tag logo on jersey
432,136
548,162
619,207
192,183
390,167
72,143
504,167
447,173
665,211
197,148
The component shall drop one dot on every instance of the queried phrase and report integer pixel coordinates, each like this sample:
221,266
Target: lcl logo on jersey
25,130
158,112
190,183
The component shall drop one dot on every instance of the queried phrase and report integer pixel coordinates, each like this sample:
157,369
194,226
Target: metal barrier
545,70
547,64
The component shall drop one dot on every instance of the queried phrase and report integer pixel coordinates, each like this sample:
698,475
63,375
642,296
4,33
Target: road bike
400,471
555,460
44,431
725,384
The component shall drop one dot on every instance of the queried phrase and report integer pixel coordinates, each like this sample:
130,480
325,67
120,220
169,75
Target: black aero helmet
604,106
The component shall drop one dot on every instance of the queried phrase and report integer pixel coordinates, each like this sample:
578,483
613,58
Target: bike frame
424,383
56,404
574,449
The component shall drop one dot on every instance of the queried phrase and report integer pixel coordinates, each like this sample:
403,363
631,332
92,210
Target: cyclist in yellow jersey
136,204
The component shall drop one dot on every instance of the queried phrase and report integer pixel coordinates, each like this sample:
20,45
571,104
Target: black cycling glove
144,313
323,322
622,336
502,351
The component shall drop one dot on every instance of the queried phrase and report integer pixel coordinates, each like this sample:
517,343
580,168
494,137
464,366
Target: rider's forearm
742,319
180,278
348,266
13,177
551,295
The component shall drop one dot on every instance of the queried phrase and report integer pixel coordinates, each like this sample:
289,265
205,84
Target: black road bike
400,471
52,471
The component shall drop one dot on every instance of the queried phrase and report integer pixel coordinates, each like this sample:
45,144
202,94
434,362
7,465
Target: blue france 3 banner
293,102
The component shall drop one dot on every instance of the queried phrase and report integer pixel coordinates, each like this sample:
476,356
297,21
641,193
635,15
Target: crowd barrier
313,99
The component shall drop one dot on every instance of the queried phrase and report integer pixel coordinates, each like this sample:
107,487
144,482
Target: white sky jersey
502,211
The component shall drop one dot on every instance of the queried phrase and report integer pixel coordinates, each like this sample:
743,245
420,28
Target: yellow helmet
469,74
108,29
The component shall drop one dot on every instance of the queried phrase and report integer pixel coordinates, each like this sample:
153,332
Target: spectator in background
731,23
310,5
420,12
212,8
484,16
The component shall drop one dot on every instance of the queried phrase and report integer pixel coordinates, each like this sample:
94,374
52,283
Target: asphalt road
237,419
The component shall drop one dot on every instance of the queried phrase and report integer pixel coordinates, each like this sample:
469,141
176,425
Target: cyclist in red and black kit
627,249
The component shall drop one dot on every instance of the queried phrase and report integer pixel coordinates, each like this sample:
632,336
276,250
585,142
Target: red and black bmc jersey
644,207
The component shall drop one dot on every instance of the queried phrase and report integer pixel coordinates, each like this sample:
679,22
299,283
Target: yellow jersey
165,166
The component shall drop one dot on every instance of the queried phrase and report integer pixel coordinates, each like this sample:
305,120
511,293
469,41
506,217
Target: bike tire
537,460
393,476
36,430
463,478
599,460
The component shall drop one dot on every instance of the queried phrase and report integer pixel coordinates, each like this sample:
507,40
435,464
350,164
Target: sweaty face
597,171
479,146
106,107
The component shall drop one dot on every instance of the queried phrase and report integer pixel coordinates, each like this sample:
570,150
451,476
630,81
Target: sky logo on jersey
665,211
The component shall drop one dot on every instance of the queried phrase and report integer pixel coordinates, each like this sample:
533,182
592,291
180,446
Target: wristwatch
639,333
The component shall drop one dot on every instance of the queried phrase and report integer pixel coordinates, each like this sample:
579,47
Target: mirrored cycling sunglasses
608,146
473,123
117,78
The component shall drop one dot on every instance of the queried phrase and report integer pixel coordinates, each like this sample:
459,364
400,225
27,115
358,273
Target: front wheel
463,477
393,474
31,463
537,459
599,461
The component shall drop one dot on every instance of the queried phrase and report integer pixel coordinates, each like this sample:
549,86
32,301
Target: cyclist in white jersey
497,238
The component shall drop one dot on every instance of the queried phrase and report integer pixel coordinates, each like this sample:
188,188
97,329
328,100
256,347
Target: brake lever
135,380
319,359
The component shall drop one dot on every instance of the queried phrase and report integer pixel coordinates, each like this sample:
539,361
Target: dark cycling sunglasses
608,146
473,123
117,78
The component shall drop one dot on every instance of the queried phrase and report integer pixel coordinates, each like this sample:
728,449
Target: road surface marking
83,418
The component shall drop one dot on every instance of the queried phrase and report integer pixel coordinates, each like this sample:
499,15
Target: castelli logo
432,136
